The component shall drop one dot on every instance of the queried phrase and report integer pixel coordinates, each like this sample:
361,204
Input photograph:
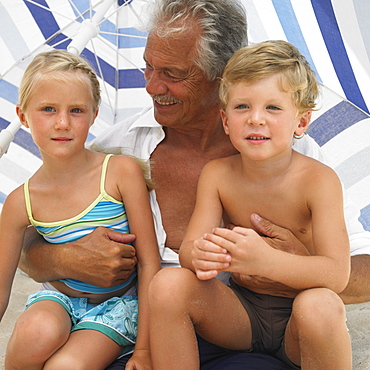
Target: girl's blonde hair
264,59
50,63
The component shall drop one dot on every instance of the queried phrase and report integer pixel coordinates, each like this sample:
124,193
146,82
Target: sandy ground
358,322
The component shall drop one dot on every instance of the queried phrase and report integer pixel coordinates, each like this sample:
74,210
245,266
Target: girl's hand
140,360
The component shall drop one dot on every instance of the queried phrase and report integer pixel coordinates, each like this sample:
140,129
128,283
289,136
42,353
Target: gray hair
223,23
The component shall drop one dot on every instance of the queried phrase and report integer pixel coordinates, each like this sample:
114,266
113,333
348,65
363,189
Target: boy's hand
208,258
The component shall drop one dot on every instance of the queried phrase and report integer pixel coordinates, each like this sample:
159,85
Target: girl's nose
62,122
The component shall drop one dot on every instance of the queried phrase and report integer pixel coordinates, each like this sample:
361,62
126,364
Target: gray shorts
269,316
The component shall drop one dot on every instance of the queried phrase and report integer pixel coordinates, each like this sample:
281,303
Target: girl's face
60,113
261,118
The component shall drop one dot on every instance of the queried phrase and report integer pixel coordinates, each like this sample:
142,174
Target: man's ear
304,121
225,122
21,115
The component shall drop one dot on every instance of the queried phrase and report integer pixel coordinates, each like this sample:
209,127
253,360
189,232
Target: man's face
182,96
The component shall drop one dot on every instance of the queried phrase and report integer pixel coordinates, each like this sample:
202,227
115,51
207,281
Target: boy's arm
101,258
197,254
329,267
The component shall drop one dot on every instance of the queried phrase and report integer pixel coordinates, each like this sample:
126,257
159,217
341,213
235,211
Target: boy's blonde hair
50,63
267,58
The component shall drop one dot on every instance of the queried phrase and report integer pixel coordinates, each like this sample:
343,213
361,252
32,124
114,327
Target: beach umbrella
334,35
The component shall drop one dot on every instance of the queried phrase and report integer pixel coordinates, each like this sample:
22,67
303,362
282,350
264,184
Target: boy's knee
170,285
318,311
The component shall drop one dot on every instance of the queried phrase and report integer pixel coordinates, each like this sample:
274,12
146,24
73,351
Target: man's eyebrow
180,72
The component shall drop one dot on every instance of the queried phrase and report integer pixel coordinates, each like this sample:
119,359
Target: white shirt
140,134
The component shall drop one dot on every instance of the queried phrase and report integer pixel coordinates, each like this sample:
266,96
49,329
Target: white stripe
348,142
316,45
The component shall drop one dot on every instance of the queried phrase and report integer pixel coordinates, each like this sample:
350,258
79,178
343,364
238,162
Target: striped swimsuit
104,211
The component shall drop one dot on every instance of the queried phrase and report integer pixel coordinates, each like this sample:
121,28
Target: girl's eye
273,107
76,110
241,106
48,109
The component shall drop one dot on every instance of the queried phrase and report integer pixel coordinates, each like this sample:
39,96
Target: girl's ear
21,115
95,115
225,123
304,121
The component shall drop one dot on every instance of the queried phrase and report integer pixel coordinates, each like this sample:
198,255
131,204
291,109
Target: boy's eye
273,107
241,106
76,110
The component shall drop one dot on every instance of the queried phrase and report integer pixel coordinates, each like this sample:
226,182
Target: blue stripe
47,24
334,43
126,42
9,92
335,120
365,217
127,78
2,197
292,29
23,139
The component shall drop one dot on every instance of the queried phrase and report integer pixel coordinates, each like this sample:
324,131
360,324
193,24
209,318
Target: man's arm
101,258
358,288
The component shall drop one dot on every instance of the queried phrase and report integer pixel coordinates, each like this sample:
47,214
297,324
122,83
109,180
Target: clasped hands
243,252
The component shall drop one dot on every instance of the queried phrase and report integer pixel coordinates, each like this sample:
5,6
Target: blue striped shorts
117,317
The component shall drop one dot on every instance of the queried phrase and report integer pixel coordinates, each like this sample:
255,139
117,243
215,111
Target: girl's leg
181,304
85,349
317,335
40,331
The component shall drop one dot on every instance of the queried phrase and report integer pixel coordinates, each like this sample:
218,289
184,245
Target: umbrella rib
53,11
101,74
123,34
120,53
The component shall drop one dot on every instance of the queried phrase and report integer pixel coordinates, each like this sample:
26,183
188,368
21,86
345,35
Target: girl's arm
135,196
13,223
205,258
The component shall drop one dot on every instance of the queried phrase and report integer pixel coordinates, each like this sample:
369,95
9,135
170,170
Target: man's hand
278,238
101,258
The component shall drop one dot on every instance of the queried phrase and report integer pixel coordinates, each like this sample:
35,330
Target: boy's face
261,118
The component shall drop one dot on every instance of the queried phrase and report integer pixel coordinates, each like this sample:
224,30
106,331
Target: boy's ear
21,116
304,121
225,123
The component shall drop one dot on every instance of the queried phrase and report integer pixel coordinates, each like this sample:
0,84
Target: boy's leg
316,335
85,349
181,304
40,331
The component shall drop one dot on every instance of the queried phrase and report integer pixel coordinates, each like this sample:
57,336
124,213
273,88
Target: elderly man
188,46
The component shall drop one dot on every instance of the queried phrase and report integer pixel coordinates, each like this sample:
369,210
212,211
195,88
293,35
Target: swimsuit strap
104,173
27,199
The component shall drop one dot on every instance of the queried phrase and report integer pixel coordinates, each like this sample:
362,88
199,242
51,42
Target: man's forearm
38,257
358,288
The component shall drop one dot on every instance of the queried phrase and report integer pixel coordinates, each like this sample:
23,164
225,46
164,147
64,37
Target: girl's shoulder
14,206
